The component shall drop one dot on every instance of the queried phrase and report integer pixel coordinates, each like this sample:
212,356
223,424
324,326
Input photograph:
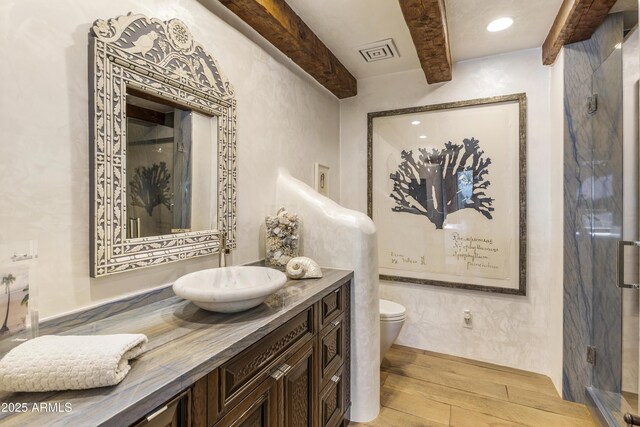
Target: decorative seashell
303,268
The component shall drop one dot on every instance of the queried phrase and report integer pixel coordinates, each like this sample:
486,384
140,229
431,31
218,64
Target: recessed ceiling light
423,136
499,24
415,122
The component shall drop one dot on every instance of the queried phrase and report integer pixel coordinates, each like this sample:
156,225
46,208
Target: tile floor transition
426,389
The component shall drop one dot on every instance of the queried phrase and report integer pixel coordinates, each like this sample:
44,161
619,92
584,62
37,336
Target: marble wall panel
577,227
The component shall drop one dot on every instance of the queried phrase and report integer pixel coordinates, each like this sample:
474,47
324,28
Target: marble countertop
185,344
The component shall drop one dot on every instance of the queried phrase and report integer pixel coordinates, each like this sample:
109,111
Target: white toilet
392,317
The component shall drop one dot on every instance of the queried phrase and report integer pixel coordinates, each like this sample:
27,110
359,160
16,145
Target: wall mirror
163,146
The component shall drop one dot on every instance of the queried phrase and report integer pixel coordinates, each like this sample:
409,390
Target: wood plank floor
631,398
425,389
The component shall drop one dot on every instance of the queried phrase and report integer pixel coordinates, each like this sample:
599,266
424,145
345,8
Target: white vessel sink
229,289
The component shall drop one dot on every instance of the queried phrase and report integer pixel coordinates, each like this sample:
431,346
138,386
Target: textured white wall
522,332
553,352
283,120
347,239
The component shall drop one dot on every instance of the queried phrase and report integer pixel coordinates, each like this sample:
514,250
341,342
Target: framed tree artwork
18,314
447,192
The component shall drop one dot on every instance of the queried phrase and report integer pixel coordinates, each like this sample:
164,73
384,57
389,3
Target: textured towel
53,362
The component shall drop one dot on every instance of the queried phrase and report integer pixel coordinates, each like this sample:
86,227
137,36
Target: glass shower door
606,219
616,324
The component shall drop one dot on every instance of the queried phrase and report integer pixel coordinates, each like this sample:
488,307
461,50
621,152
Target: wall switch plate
321,175
467,320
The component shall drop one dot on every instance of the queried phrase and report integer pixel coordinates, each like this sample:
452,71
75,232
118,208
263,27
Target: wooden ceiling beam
283,28
576,21
427,22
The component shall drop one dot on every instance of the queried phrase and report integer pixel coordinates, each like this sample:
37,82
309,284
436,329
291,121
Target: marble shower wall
593,210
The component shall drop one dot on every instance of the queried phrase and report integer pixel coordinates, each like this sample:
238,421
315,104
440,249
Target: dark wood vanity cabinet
296,376
285,363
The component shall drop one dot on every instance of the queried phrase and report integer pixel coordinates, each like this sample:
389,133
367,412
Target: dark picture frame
440,155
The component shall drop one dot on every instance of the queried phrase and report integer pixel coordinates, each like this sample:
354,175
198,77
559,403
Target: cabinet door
332,401
258,409
300,388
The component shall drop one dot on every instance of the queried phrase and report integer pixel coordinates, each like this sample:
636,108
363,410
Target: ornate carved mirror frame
161,59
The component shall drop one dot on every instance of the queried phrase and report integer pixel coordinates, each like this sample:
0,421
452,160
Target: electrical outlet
467,320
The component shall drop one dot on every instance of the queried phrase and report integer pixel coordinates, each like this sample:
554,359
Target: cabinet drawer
332,401
331,306
332,348
173,413
254,364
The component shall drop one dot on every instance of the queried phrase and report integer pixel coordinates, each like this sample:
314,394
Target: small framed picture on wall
322,179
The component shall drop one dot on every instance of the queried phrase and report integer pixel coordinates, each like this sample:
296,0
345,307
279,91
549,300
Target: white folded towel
74,362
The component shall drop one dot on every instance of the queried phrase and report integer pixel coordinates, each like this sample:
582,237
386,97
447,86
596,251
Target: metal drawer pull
281,371
620,280
158,412
335,379
285,368
335,323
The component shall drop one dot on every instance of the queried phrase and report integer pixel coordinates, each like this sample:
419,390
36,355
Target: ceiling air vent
378,51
